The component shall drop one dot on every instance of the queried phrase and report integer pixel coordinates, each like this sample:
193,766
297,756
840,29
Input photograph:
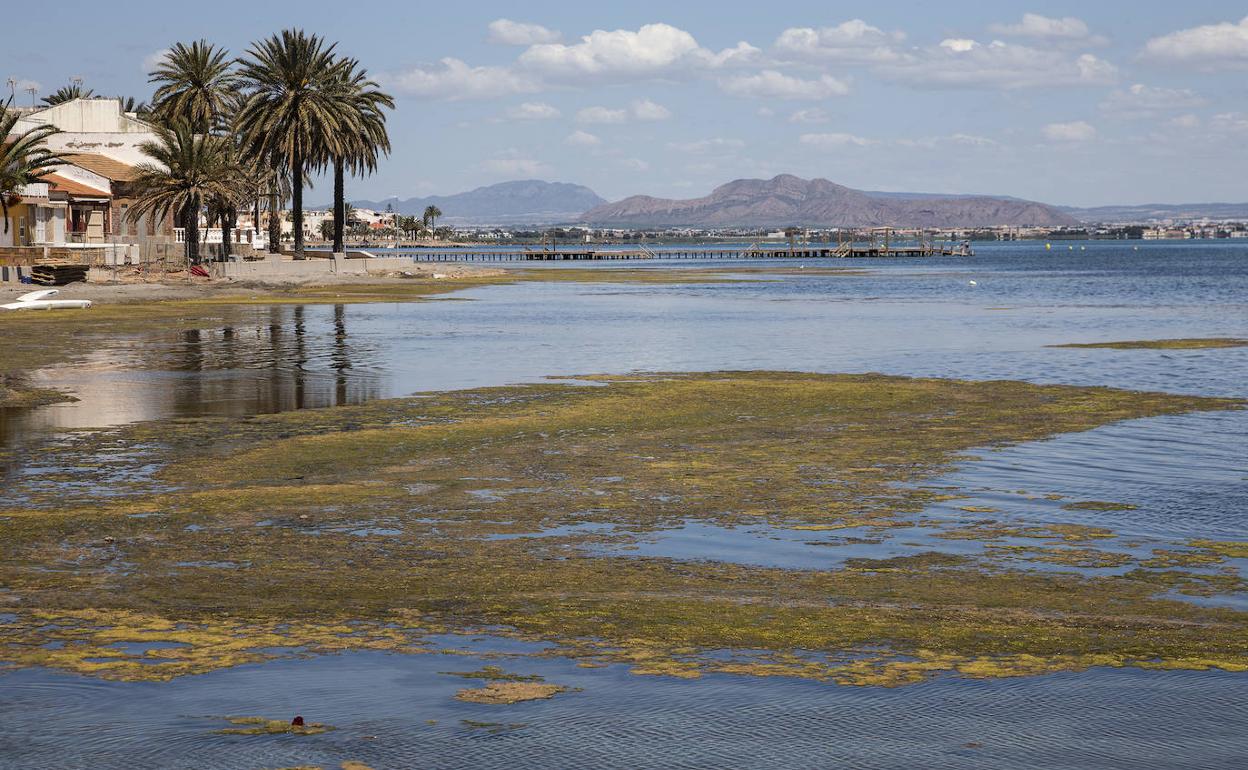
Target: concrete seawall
358,263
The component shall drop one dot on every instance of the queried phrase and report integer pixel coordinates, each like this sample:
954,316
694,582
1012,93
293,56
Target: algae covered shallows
295,503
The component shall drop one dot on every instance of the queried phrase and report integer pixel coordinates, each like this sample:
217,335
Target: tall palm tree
197,84
187,170
357,148
431,217
67,94
234,193
24,158
295,106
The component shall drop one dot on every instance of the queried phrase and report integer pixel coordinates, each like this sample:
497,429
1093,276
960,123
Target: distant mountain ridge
1150,212
529,201
789,200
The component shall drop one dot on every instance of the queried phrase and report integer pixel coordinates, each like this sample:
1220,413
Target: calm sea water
1186,474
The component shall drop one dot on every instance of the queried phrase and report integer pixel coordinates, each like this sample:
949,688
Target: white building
96,126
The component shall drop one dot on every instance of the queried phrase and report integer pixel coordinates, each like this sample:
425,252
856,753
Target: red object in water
297,721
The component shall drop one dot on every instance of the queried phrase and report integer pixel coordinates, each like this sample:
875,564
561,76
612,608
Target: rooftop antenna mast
12,88
32,90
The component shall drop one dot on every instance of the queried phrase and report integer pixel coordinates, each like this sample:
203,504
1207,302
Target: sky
1070,103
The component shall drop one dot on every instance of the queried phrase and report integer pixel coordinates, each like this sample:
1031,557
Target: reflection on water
255,361
914,318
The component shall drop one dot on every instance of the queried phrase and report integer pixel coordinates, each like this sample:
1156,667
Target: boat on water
38,300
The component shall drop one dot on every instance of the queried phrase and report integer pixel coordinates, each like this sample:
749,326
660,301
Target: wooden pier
821,251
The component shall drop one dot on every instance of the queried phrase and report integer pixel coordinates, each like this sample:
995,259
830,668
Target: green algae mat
511,510
1189,343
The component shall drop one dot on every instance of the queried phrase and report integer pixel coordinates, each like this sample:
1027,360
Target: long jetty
843,251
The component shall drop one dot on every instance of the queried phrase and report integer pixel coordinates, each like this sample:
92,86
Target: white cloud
454,80
1210,47
955,140
766,112
959,45
850,41
508,32
601,115
964,63
1184,121
1229,122
513,165
707,146
971,140
641,109
644,109
653,51
834,141
154,59
580,138
1140,101
1040,27
770,84
636,164
533,111
1074,132
811,115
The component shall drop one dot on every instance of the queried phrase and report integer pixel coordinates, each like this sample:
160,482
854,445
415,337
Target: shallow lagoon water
1185,474
394,711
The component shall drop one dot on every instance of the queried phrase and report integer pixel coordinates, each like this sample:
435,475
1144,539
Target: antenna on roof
76,80
32,90
12,88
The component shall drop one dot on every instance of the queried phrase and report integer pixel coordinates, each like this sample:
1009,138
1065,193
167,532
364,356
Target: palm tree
67,94
295,108
431,217
130,104
187,171
356,149
197,84
236,191
24,158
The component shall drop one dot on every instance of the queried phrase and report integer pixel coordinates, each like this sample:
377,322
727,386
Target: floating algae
506,693
1191,343
263,726
782,449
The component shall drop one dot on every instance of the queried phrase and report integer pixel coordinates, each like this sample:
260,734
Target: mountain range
529,201
790,200
778,202
1149,212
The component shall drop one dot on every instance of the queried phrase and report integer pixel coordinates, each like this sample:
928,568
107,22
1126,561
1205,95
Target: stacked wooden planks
58,274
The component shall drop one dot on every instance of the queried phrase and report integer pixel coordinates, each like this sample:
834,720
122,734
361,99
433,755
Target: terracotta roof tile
107,167
72,188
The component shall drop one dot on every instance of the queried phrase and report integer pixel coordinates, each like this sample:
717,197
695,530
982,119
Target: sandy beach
135,288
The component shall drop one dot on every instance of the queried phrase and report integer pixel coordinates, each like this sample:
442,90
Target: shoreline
136,289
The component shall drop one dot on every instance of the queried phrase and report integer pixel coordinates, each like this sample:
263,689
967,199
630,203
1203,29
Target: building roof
73,189
109,168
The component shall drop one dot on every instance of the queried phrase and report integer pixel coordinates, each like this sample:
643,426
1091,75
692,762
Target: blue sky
1065,102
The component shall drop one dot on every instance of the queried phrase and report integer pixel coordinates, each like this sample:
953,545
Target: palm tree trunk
275,223
296,200
340,206
227,226
190,222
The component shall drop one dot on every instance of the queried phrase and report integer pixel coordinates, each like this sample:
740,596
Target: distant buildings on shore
566,234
